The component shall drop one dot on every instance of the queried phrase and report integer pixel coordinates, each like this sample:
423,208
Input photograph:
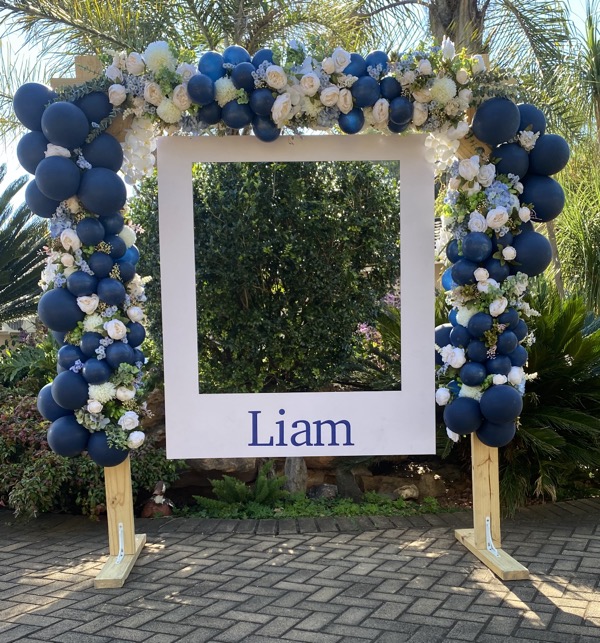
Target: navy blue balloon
126,271
211,64
477,351
365,91
442,338
519,356
460,336
501,404
401,110
58,310
476,246
235,115
136,334
89,343
510,317
111,291
496,121
452,251
68,355
496,269
210,114
447,282
117,246
58,337
201,89
261,56
81,284
132,254
480,324
521,330
463,415
454,387
90,231
452,316
112,223
352,122
47,407
534,253
265,129
261,101
31,150
29,103
96,371
531,119
376,58
496,435
356,67
70,390
500,365
511,158
57,178
65,124
507,342
505,240
101,453
104,151
241,76
550,155
119,353
463,272
473,373
102,191
95,106
397,129
234,55
138,357
38,203
546,195
390,88
100,264
66,437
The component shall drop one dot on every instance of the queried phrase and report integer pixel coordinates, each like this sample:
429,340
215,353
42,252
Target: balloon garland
93,298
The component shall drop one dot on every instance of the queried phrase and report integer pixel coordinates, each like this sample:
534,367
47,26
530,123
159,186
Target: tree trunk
461,21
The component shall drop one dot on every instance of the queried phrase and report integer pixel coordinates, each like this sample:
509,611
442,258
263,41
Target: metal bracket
488,537
121,553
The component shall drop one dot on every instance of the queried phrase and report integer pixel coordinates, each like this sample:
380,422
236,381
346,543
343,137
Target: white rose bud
113,73
509,253
117,94
115,329
381,111
469,168
329,96
153,94
125,394
276,77
328,65
420,113
481,274
135,64
88,304
442,396
497,217
498,379
462,76
181,99
70,240
345,102
136,439
281,109
129,421
135,313
424,67
341,59
498,306
67,260
94,406
57,150
524,214
310,83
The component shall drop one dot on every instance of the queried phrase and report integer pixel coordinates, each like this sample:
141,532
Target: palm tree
21,241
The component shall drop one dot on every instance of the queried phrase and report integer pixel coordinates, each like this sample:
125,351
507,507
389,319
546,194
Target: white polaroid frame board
296,424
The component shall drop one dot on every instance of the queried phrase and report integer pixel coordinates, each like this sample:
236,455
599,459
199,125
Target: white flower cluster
138,150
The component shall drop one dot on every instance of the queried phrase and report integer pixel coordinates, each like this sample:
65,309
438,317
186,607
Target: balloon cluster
485,345
76,185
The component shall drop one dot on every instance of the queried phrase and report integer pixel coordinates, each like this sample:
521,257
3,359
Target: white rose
328,65
88,304
310,83
477,222
129,421
381,111
453,355
498,379
486,285
113,73
465,96
119,58
94,406
407,78
186,71
420,113
181,99
281,108
153,94
422,95
70,240
442,396
424,67
276,77
498,306
486,175
125,394
135,64
497,217
115,329
481,274
509,253
516,375
341,59
73,204
448,49
329,96
128,235
117,94
344,102
136,439
519,188
469,168
524,214
67,260
462,76
135,313
57,150
473,189
478,64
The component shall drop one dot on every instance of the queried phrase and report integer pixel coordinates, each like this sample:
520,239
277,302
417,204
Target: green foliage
35,480
290,258
28,363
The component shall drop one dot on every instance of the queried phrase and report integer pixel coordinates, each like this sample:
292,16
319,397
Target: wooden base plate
503,565
115,574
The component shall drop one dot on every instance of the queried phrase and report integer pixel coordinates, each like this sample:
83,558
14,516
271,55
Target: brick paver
312,580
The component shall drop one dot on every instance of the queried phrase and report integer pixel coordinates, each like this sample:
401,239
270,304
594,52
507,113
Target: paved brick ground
325,581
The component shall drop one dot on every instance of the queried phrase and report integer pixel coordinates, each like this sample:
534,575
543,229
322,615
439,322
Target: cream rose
481,274
276,77
498,306
117,94
73,204
328,65
509,253
462,76
524,214
181,99
497,217
113,73
67,260
129,421
136,439
94,406
125,394
115,329
422,95
420,113
135,64
281,109
330,95
310,83
88,304
153,94
407,78
381,111
70,240
341,59
345,102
